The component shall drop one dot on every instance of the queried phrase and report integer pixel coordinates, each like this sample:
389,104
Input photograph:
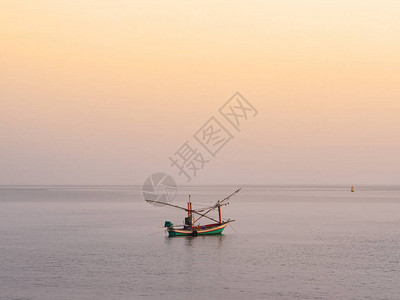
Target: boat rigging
190,228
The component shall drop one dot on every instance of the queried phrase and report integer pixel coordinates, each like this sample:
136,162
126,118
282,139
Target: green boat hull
190,232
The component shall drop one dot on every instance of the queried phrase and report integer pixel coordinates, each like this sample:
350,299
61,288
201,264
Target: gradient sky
103,92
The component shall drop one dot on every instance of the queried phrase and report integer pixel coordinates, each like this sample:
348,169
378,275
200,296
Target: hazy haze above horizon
100,92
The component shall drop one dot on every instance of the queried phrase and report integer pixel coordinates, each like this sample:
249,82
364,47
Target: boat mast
190,213
219,212
189,216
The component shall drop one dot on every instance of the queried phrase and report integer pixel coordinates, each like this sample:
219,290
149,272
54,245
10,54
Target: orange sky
101,92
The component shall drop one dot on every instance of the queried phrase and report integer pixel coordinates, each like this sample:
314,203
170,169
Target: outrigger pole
185,209
219,207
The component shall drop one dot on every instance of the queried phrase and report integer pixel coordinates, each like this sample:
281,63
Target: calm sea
287,243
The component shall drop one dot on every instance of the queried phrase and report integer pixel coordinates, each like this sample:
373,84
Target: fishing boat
191,225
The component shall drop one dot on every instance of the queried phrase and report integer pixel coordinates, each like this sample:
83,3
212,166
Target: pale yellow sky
100,92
